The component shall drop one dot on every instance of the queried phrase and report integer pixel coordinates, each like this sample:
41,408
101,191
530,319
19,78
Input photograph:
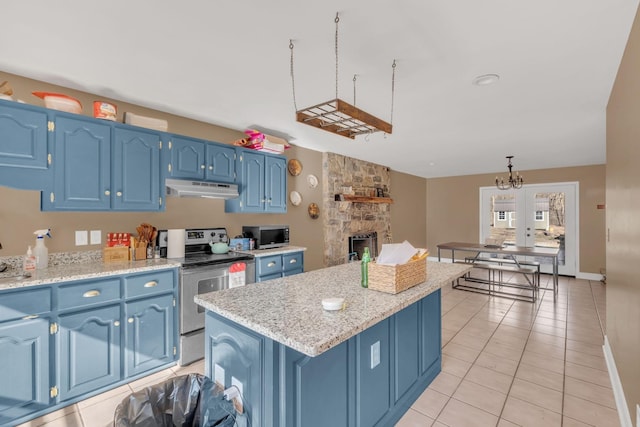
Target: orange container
104,110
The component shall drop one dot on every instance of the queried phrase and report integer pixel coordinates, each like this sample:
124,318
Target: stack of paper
396,253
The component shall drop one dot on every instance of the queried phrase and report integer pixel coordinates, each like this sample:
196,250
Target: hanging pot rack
340,117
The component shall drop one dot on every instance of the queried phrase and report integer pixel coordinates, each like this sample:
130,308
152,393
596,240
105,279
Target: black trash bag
175,402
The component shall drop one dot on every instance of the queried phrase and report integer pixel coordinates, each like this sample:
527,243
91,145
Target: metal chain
293,83
354,89
336,21
393,87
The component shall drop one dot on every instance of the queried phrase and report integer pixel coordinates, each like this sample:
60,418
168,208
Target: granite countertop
289,310
275,251
68,272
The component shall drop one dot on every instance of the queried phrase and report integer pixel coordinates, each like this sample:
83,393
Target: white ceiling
228,63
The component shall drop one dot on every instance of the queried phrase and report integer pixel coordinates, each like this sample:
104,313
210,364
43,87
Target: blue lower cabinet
317,388
431,334
24,368
276,266
406,350
88,351
370,380
235,355
373,374
149,334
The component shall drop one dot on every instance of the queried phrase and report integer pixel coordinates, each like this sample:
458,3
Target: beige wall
623,220
453,209
20,210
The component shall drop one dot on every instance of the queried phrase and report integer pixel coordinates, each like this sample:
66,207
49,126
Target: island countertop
289,310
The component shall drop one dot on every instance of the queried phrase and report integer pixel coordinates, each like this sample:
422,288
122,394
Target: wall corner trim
618,391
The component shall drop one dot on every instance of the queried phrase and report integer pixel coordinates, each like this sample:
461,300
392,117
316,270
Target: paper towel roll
175,243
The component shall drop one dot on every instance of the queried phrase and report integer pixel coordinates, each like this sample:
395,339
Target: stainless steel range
202,272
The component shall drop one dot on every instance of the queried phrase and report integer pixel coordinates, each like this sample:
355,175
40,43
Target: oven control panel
201,236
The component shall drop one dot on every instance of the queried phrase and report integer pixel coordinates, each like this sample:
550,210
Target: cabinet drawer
148,283
86,293
269,265
16,305
292,261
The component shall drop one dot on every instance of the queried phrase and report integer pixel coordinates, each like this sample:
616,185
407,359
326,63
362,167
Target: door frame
485,192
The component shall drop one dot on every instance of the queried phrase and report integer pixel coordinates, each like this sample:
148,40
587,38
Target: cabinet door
252,195
24,368
187,158
406,348
276,184
88,350
136,170
23,133
221,163
149,334
431,321
23,147
293,263
81,165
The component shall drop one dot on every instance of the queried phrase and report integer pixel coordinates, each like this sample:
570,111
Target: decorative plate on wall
295,198
312,180
314,211
295,167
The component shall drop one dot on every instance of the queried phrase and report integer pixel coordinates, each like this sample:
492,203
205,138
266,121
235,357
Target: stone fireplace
344,219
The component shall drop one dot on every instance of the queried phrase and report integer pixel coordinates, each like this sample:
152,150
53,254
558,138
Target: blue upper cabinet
136,170
187,158
23,146
98,166
193,158
263,183
221,163
81,162
276,184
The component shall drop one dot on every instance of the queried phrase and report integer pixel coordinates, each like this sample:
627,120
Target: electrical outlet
81,238
237,401
218,375
375,354
95,237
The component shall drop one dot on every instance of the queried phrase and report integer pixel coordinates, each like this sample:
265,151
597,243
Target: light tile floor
505,363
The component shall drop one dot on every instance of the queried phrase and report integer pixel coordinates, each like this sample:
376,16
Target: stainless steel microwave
267,236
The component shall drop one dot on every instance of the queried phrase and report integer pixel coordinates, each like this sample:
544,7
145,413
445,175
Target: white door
543,215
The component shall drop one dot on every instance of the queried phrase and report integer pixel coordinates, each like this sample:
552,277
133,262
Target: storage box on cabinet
148,284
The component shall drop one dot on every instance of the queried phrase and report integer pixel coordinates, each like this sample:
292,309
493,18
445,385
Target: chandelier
512,181
338,116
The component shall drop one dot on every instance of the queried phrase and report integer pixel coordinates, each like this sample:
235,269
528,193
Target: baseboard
616,384
589,276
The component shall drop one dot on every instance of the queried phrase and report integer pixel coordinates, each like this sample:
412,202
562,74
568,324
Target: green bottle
366,258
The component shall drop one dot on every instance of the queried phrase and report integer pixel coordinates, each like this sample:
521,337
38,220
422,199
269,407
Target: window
539,215
501,216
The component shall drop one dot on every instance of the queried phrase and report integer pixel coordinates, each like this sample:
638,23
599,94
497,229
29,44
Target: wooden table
510,251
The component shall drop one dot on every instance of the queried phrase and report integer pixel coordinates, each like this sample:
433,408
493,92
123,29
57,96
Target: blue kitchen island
299,365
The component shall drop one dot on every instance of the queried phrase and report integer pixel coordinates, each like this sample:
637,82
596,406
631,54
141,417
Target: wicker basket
397,278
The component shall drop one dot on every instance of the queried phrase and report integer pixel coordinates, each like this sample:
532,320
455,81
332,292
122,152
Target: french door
542,215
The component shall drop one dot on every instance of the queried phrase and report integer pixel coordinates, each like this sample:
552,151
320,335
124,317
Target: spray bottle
40,250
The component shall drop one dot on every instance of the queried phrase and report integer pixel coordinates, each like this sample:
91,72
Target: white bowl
333,304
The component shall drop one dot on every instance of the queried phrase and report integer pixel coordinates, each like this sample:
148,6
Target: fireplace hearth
358,242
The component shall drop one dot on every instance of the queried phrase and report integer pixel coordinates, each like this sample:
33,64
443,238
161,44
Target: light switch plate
81,238
96,237
218,375
375,354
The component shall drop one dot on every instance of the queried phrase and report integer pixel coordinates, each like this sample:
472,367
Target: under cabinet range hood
210,190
